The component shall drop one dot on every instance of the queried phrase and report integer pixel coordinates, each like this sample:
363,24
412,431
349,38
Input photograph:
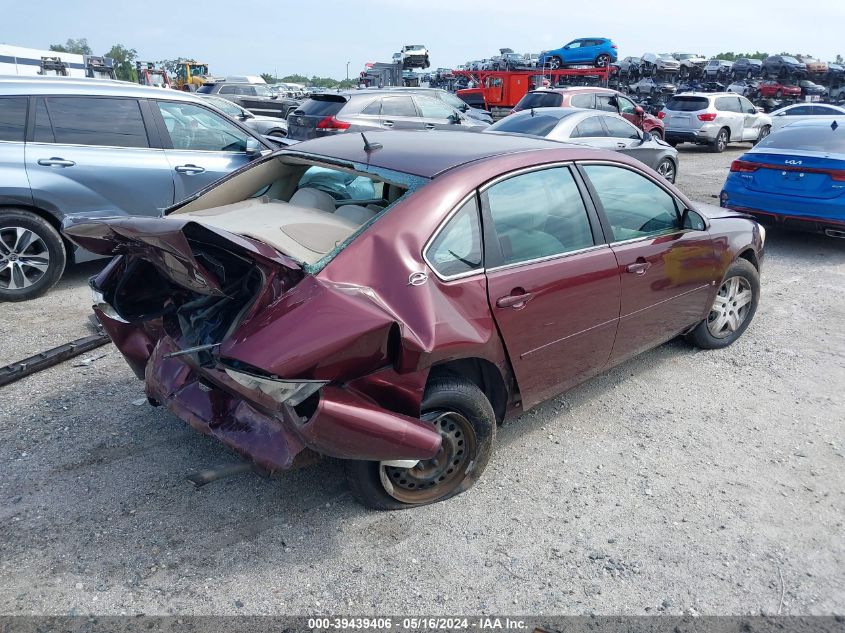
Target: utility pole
347,71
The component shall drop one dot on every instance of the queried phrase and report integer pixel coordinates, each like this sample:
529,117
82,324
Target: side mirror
647,136
253,147
639,110
455,118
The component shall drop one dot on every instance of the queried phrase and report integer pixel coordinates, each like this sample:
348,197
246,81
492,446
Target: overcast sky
320,36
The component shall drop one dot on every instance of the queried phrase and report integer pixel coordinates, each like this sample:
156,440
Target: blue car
598,51
794,177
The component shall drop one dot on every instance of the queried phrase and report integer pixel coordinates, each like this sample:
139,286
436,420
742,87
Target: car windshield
538,125
666,56
539,100
791,60
687,104
686,55
816,138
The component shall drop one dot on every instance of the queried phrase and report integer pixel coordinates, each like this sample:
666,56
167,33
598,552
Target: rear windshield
687,104
812,139
322,105
539,125
539,100
206,89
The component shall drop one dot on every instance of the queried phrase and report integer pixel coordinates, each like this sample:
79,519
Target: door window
747,106
457,248
193,127
728,104
799,111
12,118
589,128
619,128
90,121
433,109
582,100
626,106
398,106
539,214
575,44
634,205
606,103
228,90
373,108
817,111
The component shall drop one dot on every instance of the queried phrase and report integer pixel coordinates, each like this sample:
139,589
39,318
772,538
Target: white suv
713,118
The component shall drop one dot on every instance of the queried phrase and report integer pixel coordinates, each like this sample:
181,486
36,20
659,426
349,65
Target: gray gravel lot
682,481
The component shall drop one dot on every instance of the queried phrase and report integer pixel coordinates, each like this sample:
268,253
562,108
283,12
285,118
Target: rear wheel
779,94
32,255
721,142
464,417
764,132
602,60
733,308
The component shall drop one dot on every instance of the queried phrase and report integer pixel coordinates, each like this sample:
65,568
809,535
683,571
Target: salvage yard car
459,280
595,51
98,148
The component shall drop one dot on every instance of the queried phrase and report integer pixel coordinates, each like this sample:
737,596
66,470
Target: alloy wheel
667,169
555,63
764,132
24,258
730,308
602,61
433,478
722,141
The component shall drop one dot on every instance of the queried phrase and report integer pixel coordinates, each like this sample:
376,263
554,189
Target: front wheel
464,417
666,168
555,63
732,310
32,255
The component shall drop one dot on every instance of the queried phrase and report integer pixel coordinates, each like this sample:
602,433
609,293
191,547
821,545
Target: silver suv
98,148
713,118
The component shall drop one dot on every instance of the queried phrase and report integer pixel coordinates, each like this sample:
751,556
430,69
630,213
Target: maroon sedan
593,98
388,301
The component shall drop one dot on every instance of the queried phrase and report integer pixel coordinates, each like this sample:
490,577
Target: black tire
602,60
749,74
721,143
764,132
278,132
668,169
673,143
779,94
656,133
702,337
555,62
44,246
369,480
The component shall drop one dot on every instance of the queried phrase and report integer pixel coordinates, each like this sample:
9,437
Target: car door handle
621,145
387,123
55,161
514,301
639,267
190,169
429,126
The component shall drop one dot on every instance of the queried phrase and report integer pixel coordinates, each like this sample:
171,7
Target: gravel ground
681,481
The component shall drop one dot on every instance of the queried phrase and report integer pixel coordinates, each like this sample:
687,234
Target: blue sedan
794,177
596,51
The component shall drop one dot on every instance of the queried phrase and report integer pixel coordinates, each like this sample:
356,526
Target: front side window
90,121
228,90
539,214
12,118
747,106
457,248
634,205
433,109
589,128
626,106
606,103
619,128
193,127
398,106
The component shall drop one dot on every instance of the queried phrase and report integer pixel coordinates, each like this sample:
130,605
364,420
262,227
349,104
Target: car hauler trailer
17,60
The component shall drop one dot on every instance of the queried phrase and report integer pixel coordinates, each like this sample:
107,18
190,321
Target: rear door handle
514,301
55,161
429,126
638,267
387,123
190,169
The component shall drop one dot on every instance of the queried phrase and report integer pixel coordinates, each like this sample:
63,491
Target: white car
713,118
415,56
804,111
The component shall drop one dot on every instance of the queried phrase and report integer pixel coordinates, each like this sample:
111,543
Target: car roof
15,85
421,153
825,122
560,113
568,90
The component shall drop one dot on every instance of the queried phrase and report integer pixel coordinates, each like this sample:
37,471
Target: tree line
125,58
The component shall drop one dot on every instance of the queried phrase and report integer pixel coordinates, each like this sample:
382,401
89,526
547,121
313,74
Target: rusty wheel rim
435,478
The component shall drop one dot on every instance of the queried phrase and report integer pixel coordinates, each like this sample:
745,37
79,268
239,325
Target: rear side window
728,104
589,128
321,106
457,248
12,118
540,100
687,104
398,106
90,121
582,101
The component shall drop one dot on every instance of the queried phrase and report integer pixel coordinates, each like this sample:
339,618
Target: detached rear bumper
344,424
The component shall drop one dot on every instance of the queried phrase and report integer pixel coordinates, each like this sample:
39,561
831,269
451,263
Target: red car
389,300
777,90
594,98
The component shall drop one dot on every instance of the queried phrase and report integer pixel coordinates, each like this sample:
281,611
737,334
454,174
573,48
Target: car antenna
370,147
532,111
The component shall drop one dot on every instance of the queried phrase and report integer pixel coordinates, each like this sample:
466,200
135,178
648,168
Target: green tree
732,57
124,62
270,79
77,47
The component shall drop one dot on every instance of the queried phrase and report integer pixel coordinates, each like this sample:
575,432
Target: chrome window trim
454,211
114,147
523,170
547,258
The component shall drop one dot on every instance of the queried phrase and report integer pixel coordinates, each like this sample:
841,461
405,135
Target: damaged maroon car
389,300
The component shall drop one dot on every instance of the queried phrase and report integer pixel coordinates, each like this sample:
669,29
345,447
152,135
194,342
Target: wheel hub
730,308
24,258
439,475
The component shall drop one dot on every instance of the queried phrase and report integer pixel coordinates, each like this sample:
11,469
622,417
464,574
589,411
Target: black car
629,67
257,98
744,68
783,66
811,89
